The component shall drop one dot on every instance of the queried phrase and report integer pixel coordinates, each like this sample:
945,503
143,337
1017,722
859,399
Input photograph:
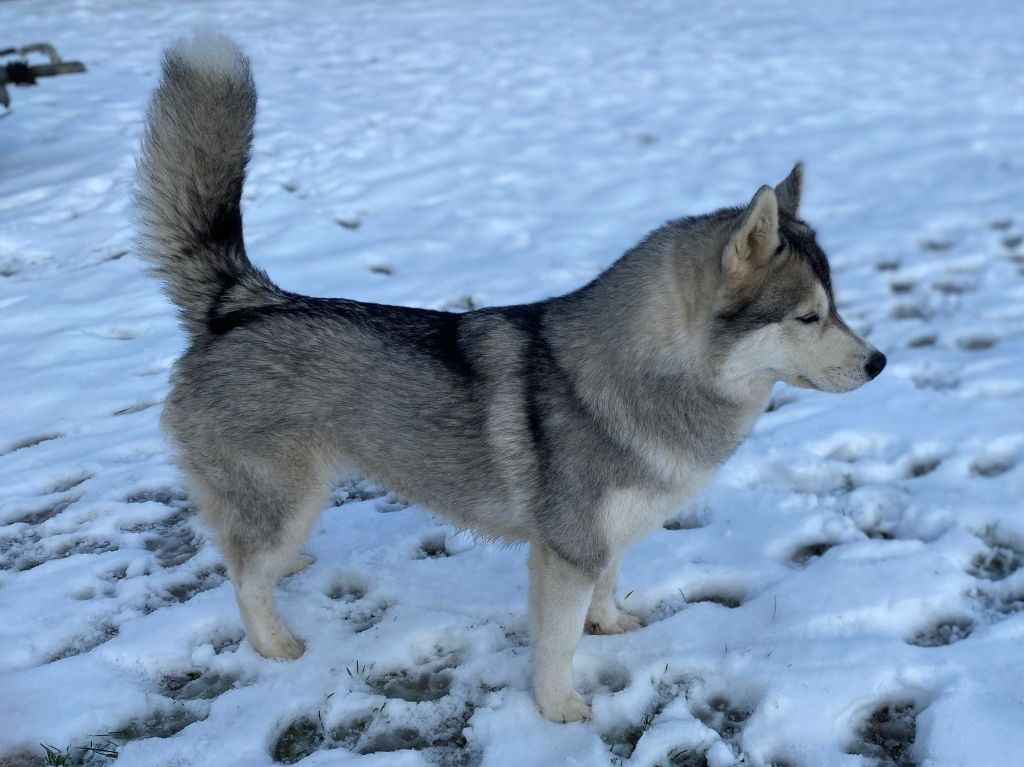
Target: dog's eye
808,319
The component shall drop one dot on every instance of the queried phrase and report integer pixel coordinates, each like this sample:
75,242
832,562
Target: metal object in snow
21,72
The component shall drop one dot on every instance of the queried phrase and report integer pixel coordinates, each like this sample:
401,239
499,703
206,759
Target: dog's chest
629,514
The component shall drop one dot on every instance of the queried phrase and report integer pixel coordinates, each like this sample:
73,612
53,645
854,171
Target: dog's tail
189,185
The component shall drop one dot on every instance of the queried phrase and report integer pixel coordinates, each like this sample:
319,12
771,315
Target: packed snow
848,591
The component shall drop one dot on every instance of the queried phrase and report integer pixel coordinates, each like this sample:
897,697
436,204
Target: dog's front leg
604,616
559,595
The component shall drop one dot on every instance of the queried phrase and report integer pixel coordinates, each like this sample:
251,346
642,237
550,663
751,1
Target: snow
849,589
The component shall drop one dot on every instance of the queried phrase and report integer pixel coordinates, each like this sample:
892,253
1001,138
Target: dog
577,424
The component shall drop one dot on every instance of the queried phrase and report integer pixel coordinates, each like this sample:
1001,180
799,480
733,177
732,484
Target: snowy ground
850,589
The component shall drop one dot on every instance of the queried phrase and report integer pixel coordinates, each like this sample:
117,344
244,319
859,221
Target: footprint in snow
922,342
32,441
724,594
722,708
922,466
953,287
349,591
37,514
943,633
901,287
992,465
196,683
86,641
810,551
936,244
30,550
887,733
184,587
977,342
419,695
998,560
69,482
602,677
173,540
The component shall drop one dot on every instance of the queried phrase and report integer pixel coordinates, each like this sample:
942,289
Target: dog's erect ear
790,190
755,240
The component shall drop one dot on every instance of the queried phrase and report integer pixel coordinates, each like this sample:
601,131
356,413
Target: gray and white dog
576,424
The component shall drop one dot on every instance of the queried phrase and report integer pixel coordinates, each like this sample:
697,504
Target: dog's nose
875,364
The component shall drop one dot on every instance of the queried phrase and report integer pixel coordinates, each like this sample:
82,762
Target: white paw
618,622
564,708
283,646
301,562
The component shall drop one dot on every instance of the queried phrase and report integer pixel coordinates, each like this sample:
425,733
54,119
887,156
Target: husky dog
576,424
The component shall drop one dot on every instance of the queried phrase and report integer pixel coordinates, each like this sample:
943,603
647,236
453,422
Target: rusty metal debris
20,71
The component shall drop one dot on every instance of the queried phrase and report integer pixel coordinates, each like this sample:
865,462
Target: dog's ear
756,238
790,190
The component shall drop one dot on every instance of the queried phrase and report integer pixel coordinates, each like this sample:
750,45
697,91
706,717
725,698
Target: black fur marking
551,404
526,319
227,281
224,226
751,315
804,246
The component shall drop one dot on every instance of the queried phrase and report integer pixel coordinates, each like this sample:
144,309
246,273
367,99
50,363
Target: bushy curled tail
189,184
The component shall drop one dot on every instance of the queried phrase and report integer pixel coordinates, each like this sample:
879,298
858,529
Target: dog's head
774,314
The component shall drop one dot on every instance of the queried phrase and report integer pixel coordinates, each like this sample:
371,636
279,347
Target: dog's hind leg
260,526
604,616
254,589
559,594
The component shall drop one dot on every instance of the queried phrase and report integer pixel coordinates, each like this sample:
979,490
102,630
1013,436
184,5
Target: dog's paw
564,708
301,562
618,622
280,647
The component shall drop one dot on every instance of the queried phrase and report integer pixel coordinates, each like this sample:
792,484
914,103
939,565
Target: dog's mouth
804,382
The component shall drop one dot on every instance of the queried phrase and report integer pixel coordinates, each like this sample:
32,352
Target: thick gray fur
576,424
